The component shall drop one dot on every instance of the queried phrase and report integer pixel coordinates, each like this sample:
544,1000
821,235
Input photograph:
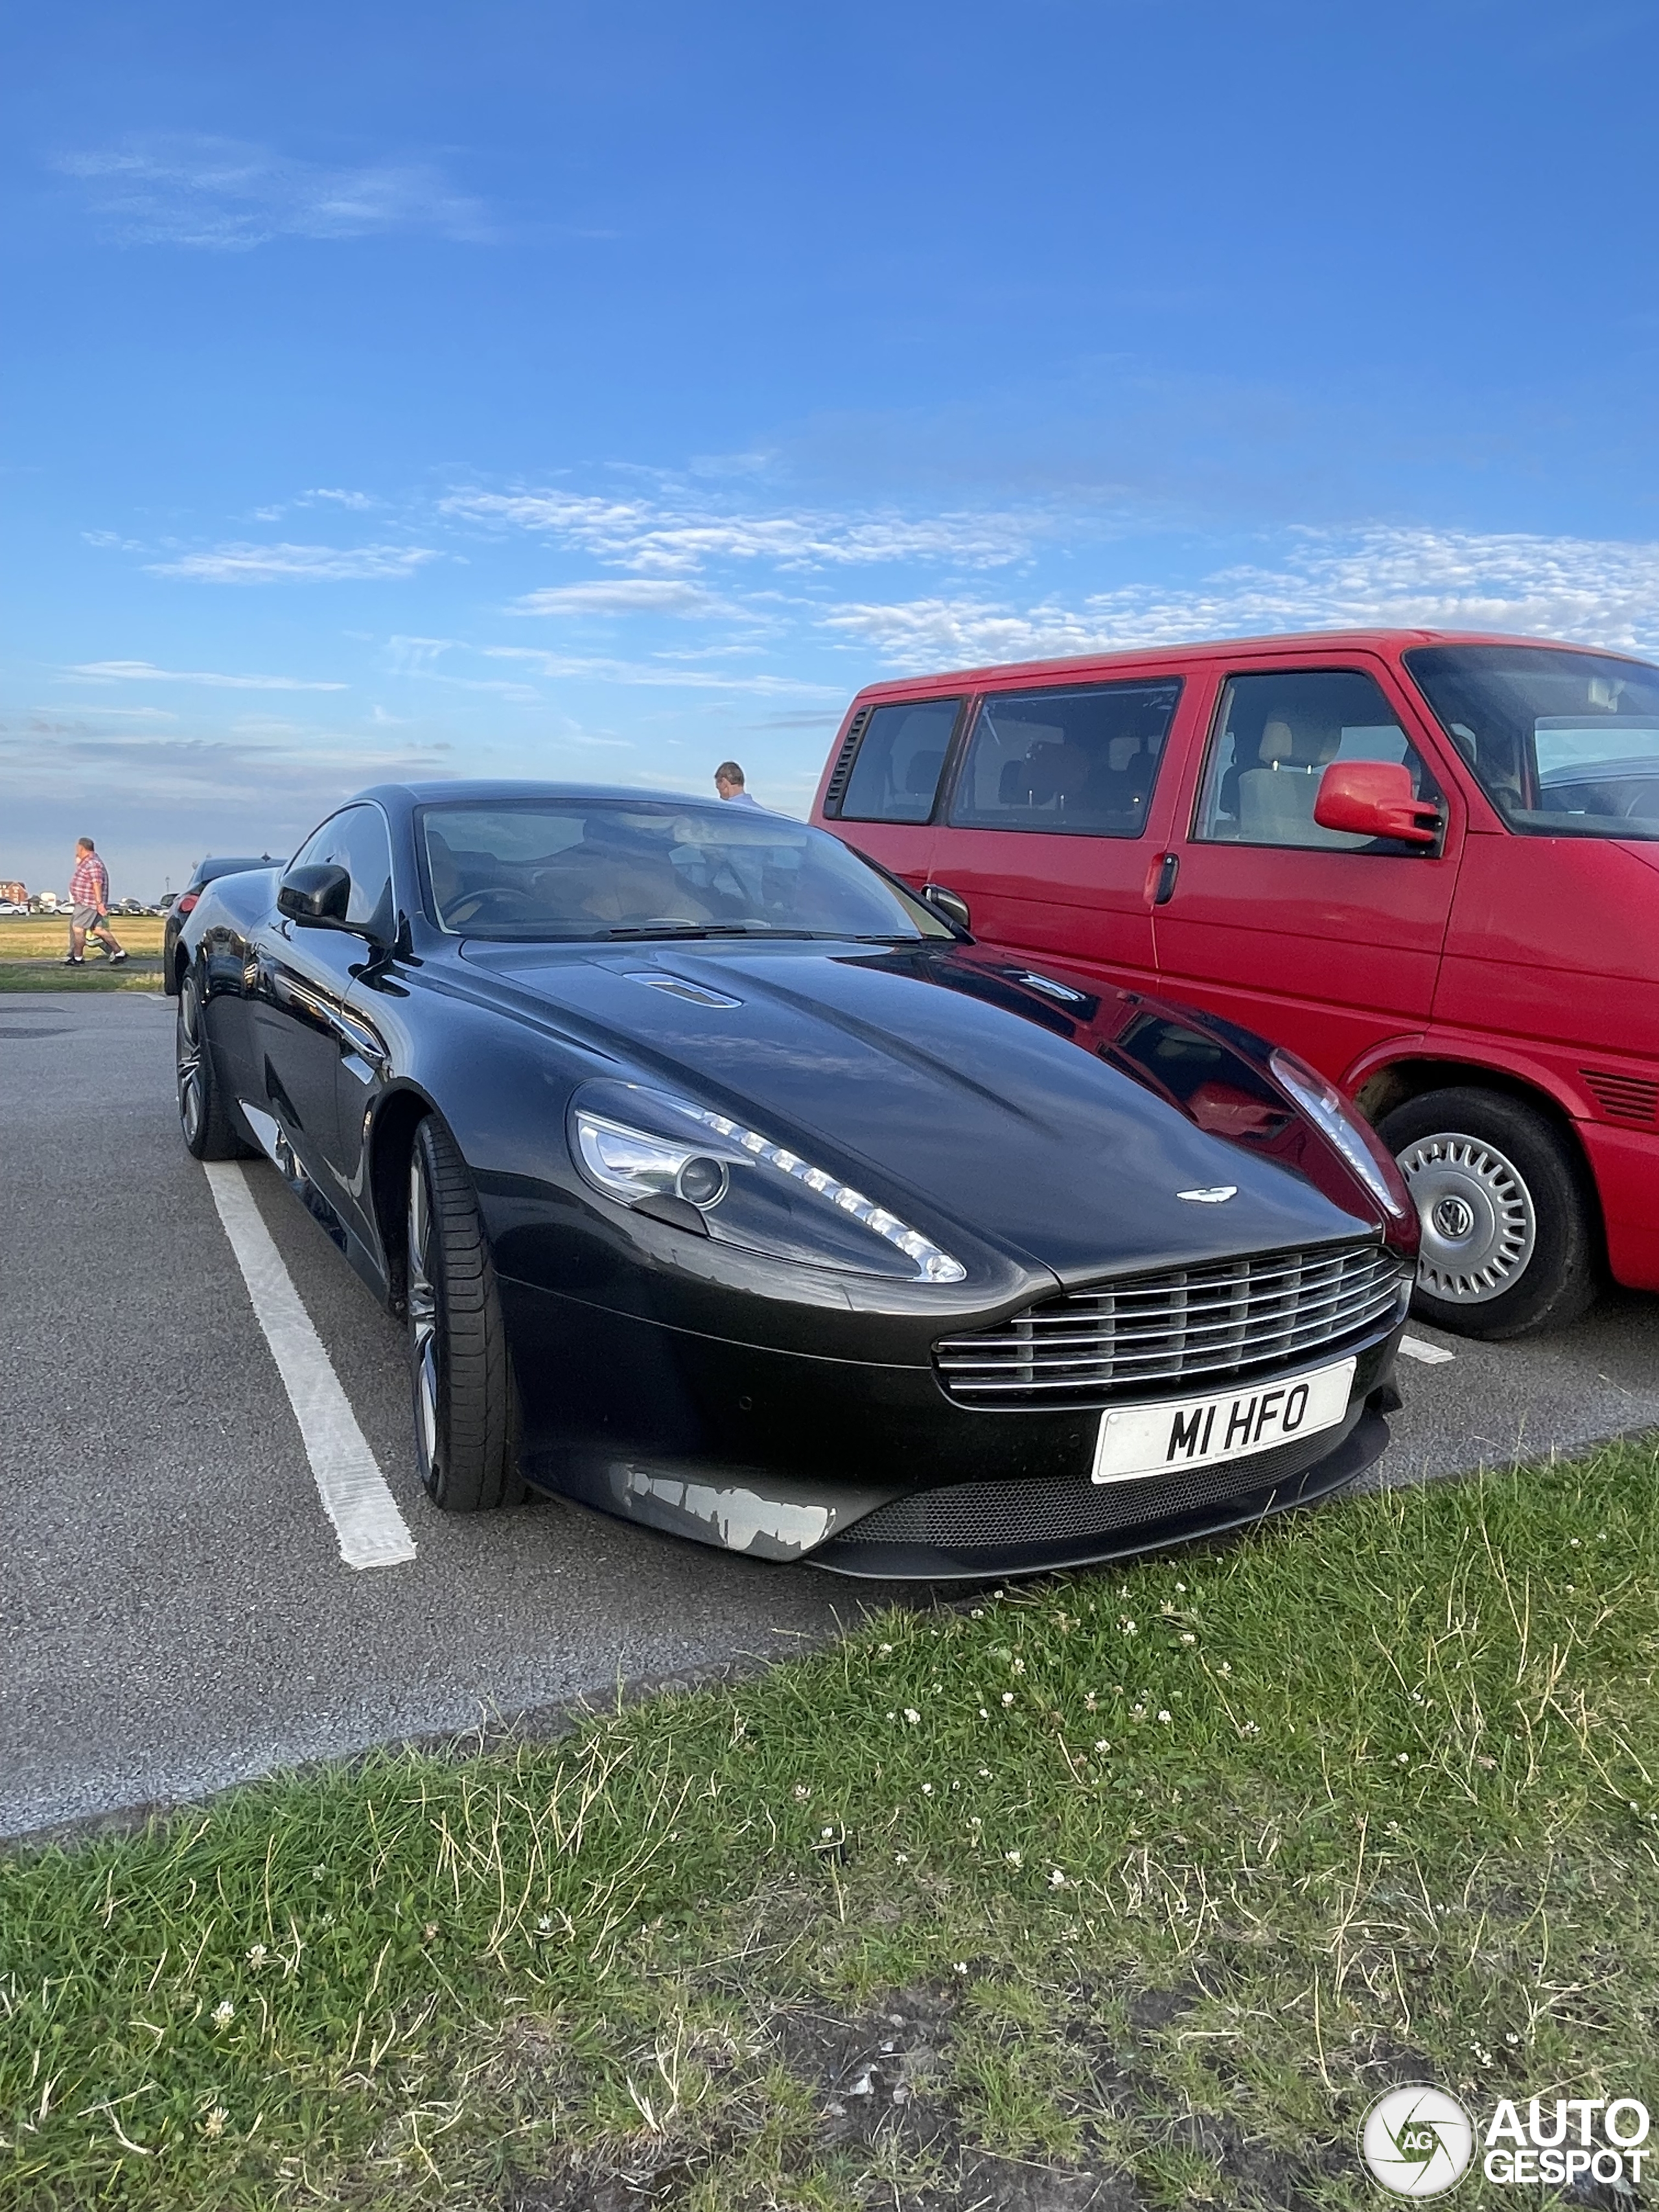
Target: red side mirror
1375,799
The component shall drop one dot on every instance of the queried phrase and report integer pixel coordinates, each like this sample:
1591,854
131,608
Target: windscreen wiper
710,929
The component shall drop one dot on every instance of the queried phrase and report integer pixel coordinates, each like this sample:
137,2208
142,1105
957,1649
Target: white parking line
1431,1355
372,1531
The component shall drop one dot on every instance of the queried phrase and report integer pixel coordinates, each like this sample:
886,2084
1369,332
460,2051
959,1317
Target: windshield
540,869
1565,744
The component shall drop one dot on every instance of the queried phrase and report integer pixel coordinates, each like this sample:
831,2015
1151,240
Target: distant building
14,894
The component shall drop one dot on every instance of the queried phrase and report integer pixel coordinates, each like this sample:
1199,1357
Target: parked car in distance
178,905
721,1185
1427,863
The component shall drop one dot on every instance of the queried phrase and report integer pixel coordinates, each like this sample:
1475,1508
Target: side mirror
950,904
319,896
1375,799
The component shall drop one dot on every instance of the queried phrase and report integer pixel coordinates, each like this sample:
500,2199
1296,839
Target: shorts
86,917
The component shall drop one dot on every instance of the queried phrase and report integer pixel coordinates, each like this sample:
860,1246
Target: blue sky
597,390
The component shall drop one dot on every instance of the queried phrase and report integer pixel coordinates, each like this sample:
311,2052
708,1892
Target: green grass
1158,1875
33,946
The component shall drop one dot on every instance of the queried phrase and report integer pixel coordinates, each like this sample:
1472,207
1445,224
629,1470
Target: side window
1081,760
355,840
1274,737
900,759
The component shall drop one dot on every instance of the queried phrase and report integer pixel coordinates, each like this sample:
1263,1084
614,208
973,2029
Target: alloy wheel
423,1318
1479,1224
192,1105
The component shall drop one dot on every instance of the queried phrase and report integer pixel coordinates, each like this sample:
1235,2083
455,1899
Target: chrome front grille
1198,1324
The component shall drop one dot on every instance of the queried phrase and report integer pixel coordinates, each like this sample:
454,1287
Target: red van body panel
1532,962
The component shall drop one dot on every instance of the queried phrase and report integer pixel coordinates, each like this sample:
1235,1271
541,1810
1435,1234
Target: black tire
465,1404
206,1117
1509,1226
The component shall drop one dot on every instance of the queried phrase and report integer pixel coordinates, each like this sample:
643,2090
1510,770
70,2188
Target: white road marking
1431,1355
373,1533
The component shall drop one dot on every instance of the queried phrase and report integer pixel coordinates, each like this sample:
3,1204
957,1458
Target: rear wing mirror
1375,799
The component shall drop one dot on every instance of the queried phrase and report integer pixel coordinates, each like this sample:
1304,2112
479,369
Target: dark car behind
180,909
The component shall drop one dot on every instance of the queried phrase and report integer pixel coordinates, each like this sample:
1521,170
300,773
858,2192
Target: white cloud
597,669
189,190
667,540
623,595
146,672
309,564
1595,591
358,501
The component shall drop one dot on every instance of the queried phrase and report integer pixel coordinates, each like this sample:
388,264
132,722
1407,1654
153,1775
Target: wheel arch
1379,1091
390,1145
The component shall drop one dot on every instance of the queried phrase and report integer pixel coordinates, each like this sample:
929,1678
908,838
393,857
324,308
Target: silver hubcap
1478,1227
190,1063
422,1317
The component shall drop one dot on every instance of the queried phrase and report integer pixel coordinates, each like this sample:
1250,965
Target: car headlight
1347,1132
639,1145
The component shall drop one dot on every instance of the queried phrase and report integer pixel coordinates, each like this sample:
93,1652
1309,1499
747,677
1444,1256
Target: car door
1321,940
885,803
1052,827
303,1027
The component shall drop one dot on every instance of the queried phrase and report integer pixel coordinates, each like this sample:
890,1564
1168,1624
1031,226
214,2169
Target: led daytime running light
933,1265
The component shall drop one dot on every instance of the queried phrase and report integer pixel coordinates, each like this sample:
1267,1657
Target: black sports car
726,1186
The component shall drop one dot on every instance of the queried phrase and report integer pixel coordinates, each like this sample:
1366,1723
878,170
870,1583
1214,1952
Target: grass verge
1131,1889
32,949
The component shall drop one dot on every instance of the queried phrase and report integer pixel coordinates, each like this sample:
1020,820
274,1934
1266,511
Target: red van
1427,864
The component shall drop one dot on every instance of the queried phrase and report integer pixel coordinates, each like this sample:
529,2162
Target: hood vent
840,775
697,994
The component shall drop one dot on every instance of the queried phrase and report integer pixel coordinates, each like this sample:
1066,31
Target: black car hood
947,1095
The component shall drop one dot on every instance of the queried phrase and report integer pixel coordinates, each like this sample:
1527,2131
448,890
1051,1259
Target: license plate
1182,1432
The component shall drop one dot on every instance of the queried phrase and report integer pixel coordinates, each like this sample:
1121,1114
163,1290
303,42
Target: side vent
840,775
1628,1099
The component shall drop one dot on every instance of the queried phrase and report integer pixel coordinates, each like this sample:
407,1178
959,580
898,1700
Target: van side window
899,762
1274,737
1080,762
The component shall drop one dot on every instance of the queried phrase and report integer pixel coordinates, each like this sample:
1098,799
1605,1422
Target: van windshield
1564,744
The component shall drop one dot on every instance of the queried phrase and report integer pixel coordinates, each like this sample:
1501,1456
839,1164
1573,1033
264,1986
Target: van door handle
1163,881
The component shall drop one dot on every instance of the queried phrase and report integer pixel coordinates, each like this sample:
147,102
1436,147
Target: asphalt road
174,1612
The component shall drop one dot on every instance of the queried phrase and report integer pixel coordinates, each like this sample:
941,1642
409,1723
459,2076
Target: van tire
1508,1220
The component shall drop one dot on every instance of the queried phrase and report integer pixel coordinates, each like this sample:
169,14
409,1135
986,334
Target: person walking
89,906
728,781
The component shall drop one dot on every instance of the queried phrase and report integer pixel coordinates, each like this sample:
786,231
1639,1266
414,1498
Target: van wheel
1509,1244
461,1379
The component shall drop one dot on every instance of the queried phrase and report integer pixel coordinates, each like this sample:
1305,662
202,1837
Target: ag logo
1216,1193
1416,2140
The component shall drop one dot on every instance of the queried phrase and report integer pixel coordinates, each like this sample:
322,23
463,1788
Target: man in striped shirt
89,906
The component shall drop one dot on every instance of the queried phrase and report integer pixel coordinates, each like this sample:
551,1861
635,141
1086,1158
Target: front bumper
872,1469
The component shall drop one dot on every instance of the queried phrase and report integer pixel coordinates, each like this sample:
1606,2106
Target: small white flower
1511,2037
892,1717
1128,1627
960,1967
1181,1587
223,2013
1007,1697
985,1774
1225,1667
1101,1744
985,1712
1251,1728
545,1923
1019,1666
1575,1543
826,1833
1400,1758
1013,1857
1186,1636
1056,1879
883,1647
976,1613
1090,1703
213,2123
801,1793
926,1788
256,1956
1163,1716
902,1857
912,1714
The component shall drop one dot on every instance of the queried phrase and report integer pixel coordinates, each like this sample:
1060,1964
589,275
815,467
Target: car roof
469,791
1168,658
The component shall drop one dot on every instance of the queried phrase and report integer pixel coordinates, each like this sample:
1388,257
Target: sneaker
75,961
116,959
